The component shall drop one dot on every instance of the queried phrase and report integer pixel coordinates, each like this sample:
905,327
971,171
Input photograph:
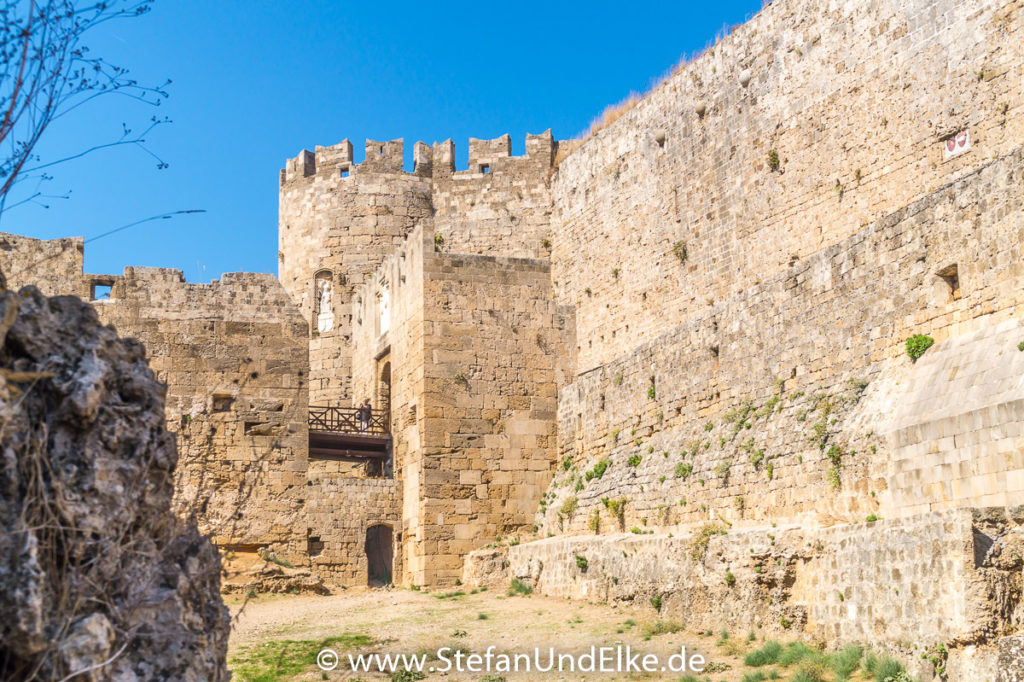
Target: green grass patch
517,586
662,627
282,659
798,652
450,596
845,662
766,655
883,668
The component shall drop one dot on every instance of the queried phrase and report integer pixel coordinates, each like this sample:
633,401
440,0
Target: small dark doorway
379,553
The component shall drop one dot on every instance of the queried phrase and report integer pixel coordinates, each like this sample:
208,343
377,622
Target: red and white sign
958,144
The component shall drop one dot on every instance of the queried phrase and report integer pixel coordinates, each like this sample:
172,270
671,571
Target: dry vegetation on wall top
614,112
610,115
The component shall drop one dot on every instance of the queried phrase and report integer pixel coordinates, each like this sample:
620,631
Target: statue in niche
325,316
385,309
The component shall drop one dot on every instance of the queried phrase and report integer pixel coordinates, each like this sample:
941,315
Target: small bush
699,545
634,461
871,518
569,506
519,587
773,160
766,655
918,344
679,251
884,669
656,602
581,562
730,579
811,671
407,676
797,652
598,470
594,523
1020,346
684,470
617,508
662,627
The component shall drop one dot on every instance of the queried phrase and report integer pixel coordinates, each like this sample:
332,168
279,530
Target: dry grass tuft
610,115
614,112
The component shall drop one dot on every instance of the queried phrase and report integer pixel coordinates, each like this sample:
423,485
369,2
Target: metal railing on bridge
348,420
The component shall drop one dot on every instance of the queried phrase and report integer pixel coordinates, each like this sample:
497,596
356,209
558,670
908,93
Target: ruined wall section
233,354
501,205
53,265
338,220
858,101
796,401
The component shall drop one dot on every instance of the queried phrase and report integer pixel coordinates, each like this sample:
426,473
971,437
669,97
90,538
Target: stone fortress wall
234,356
684,342
856,99
746,250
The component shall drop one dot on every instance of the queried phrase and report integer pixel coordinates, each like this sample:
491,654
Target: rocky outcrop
98,579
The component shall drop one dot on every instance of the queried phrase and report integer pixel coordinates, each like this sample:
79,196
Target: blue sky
256,81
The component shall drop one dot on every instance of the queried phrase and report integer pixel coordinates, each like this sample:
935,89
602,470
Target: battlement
488,157
485,157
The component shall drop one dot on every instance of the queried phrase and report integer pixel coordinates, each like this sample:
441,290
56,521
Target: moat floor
397,621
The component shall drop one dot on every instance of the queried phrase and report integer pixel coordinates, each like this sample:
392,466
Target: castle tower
337,221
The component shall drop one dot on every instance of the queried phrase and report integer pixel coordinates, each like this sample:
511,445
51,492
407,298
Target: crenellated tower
337,221
340,219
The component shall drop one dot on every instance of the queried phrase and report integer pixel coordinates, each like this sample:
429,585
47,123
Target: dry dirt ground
404,621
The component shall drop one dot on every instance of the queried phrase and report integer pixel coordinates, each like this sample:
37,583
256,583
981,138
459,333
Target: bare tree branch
46,73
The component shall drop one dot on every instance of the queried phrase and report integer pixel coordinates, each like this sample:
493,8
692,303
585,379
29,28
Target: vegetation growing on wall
917,345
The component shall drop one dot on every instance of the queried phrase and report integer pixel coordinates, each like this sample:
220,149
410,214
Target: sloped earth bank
98,579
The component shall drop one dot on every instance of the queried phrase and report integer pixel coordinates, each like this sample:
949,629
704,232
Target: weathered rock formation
98,579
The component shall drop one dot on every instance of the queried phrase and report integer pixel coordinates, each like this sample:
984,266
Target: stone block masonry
233,355
856,99
339,219
735,414
694,323
951,578
476,347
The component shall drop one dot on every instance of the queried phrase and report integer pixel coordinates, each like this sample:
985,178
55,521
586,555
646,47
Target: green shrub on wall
918,344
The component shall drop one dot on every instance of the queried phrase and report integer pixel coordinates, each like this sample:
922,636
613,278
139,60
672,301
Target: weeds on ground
519,587
282,659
